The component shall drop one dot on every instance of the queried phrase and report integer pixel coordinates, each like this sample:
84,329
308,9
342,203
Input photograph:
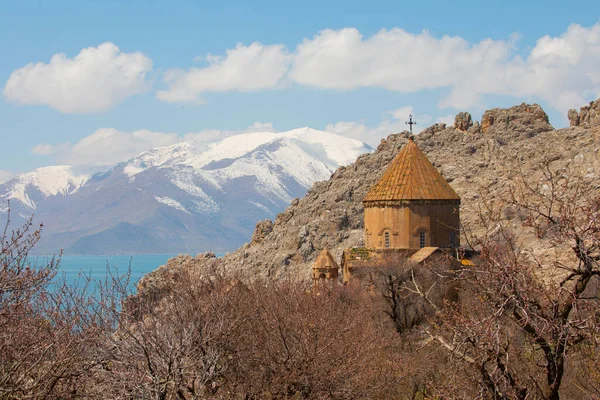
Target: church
411,210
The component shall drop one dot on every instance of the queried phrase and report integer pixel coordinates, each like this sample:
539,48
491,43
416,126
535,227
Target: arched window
422,241
387,240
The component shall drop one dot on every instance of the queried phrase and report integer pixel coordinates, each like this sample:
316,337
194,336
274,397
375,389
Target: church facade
412,206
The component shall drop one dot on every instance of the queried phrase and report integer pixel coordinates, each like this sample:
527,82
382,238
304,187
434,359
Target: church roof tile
325,261
411,176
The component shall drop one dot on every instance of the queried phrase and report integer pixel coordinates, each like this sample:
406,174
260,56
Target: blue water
95,267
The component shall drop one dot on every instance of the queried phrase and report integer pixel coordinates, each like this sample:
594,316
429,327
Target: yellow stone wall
405,222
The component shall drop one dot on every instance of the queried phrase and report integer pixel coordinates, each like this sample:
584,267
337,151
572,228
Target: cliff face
524,119
475,158
588,116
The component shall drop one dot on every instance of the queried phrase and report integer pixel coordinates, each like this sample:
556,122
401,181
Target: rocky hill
476,158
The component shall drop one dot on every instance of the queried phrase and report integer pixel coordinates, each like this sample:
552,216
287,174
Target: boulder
433,129
463,121
476,128
587,117
262,230
524,119
573,116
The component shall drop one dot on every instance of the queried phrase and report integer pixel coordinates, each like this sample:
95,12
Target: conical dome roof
411,176
325,261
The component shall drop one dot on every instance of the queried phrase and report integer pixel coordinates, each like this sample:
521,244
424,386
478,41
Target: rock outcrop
463,121
588,116
527,119
158,282
263,228
331,214
435,128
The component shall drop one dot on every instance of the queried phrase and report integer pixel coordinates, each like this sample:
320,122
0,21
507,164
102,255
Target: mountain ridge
183,197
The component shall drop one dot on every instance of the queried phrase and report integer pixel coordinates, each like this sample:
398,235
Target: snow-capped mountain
184,197
43,183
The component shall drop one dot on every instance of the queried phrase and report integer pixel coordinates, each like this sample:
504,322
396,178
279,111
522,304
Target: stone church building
412,210
412,206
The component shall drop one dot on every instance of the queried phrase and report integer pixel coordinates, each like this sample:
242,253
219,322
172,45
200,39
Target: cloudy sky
93,82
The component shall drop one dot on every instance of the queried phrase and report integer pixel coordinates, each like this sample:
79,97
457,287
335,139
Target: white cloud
109,146
43,149
106,146
261,127
391,59
393,122
560,70
94,80
213,135
244,68
208,135
448,119
6,175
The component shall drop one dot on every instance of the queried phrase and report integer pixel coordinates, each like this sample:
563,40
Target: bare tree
316,345
411,292
177,347
219,337
49,331
518,331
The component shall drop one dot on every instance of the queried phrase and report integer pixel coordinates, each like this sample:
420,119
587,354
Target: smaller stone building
325,270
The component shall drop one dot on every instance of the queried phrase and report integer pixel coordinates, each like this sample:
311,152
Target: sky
94,82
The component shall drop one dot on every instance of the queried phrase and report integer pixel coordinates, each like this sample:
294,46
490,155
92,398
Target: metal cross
410,123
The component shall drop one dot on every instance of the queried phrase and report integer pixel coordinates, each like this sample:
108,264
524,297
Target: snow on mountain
171,203
49,181
185,197
305,154
330,148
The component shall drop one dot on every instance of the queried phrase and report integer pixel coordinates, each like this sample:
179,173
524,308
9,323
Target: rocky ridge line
588,116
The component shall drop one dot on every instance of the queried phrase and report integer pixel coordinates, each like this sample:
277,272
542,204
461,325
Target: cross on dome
410,122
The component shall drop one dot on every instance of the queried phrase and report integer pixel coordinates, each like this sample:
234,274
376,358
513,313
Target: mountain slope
184,197
42,183
483,158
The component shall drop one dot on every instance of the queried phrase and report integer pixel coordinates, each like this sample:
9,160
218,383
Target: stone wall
439,221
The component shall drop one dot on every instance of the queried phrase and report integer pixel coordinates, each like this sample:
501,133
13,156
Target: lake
95,265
